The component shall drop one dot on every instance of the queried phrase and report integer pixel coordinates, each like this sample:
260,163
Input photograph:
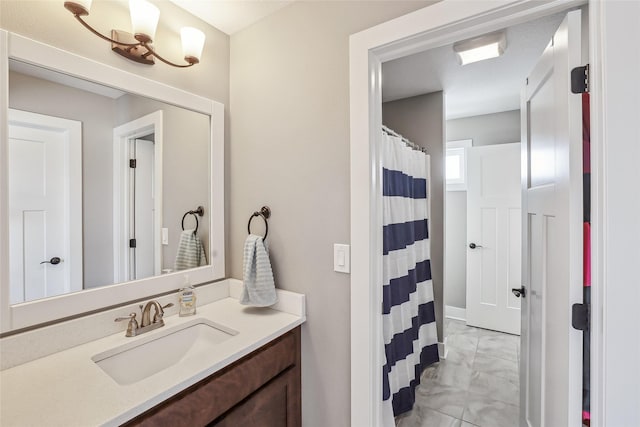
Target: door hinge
132,243
580,316
580,79
133,163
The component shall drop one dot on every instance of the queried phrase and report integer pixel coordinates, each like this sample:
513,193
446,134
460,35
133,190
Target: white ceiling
230,16
483,87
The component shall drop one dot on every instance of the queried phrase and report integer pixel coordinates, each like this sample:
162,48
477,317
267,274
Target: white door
494,237
45,206
551,355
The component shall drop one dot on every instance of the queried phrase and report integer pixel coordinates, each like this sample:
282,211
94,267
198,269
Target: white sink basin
166,347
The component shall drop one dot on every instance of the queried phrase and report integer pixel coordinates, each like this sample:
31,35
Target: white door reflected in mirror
45,200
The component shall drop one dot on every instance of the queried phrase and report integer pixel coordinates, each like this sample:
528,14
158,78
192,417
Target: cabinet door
261,389
267,407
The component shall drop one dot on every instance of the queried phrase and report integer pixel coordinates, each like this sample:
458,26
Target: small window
456,164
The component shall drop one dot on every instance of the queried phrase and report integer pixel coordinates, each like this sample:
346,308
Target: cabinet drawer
210,398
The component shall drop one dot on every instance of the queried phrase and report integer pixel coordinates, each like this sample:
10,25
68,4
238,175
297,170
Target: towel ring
198,212
265,213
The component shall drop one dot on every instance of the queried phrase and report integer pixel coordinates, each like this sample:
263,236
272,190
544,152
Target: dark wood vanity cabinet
260,390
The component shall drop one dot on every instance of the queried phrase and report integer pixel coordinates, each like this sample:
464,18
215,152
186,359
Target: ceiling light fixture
480,48
138,46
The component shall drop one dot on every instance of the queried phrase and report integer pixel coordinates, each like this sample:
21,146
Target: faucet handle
131,316
160,313
132,326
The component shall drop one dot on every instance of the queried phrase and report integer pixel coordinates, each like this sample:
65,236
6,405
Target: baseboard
456,313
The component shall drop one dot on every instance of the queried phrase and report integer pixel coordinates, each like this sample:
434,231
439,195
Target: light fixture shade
192,44
85,3
144,19
480,48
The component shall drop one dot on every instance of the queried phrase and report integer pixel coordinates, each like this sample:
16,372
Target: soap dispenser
187,297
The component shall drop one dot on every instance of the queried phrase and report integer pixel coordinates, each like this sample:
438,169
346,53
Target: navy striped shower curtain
408,315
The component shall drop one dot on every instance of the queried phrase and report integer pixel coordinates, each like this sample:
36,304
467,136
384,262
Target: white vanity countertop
68,389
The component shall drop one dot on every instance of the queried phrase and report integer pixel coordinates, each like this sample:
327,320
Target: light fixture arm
103,37
166,61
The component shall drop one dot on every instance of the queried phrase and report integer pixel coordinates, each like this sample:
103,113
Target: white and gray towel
190,251
259,287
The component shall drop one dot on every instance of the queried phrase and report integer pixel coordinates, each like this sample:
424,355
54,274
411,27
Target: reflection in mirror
99,181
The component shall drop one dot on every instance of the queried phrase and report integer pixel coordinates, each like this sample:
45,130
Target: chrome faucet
146,325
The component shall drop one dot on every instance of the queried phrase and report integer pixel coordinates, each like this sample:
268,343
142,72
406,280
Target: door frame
443,23
142,126
72,131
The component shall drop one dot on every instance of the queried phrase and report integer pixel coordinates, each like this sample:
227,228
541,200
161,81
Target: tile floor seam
494,398
468,346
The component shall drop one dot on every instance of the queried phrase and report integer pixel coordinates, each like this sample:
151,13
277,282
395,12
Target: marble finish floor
476,386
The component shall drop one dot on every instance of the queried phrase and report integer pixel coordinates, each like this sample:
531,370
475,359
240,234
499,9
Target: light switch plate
165,236
341,258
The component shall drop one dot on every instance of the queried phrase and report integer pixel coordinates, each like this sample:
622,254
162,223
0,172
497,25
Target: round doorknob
55,260
473,246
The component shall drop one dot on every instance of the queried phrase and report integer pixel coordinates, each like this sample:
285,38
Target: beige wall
455,292
487,129
290,150
421,120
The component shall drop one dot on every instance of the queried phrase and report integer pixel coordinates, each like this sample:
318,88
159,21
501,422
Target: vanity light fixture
480,48
144,21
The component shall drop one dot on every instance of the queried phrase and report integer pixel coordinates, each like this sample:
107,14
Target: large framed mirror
111,185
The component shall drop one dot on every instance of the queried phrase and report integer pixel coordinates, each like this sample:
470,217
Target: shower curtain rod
405,140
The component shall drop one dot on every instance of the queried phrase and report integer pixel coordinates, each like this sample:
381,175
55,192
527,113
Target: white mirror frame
19,316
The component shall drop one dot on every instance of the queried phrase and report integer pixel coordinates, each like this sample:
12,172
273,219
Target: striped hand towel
259,287
190,251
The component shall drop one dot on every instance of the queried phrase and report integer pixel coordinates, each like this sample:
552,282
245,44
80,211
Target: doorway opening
613,399
479,281
137,172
